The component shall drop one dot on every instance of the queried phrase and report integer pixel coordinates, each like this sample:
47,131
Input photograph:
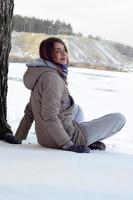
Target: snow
30,172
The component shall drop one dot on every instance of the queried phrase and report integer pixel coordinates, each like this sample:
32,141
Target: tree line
33,25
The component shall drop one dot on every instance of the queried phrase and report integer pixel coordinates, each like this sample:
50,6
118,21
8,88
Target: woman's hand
78,148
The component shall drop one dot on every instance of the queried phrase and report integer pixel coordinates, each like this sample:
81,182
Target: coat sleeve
25,123
53,87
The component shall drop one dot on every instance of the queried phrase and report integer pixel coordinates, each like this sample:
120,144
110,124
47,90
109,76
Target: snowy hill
83,52
30,171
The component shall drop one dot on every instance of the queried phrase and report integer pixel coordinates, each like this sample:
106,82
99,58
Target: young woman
53,108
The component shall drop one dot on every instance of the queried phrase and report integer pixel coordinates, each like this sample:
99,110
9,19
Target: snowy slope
30,172
82,50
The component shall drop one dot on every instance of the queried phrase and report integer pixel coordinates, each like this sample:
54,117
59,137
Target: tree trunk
6,14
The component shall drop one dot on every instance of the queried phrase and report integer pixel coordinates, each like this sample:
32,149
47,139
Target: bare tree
6,14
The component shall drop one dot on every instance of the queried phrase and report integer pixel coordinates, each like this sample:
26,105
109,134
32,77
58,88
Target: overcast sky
109,19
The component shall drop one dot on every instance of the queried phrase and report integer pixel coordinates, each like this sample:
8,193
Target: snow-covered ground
30,172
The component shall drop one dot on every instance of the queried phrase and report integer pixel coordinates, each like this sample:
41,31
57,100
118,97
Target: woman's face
59,54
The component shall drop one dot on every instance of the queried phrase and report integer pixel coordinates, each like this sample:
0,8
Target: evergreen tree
28,24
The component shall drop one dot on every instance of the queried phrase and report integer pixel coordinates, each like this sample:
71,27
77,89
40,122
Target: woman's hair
46,47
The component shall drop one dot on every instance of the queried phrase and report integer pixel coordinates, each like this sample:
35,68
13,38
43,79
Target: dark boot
10,138
97,146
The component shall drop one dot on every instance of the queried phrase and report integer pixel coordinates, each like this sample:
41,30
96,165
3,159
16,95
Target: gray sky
109,19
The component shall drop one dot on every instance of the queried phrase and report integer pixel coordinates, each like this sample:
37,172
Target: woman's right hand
78,148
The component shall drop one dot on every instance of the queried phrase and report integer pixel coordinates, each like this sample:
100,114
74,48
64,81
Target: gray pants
101,128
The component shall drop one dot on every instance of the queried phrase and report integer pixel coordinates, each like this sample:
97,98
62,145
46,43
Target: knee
119,118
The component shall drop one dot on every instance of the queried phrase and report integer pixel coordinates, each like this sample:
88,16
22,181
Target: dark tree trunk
6,14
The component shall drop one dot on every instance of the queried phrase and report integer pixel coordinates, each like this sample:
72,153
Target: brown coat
49,96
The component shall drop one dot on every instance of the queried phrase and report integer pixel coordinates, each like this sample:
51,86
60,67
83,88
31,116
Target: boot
97,146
